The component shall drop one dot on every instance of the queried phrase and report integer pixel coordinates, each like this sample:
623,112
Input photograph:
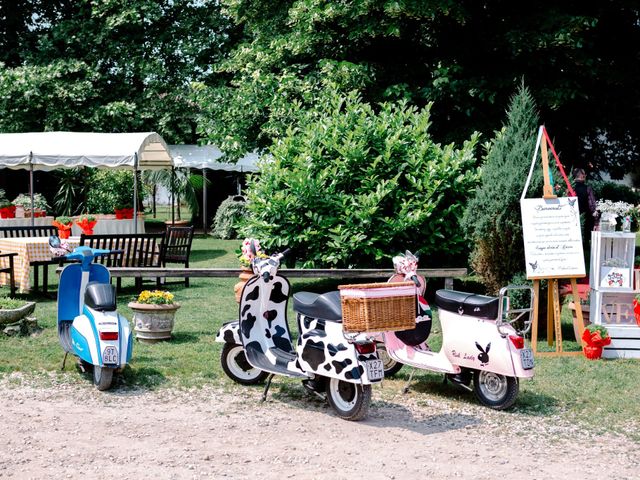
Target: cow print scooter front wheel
349,400
235,365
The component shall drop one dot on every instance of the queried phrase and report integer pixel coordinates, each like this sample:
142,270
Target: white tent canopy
50,150
208,156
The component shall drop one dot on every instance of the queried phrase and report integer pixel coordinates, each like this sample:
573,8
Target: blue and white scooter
88,324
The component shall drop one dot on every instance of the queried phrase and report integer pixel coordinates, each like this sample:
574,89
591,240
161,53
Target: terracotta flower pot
592,353
244,276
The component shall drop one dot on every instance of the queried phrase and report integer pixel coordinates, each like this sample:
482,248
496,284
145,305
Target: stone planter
585,316
153,323
13,315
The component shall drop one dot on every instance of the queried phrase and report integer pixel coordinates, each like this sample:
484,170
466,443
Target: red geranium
596,336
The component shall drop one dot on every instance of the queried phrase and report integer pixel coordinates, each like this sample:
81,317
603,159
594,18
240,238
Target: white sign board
552,237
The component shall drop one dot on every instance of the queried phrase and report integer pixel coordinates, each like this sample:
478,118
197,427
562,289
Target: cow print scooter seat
325,306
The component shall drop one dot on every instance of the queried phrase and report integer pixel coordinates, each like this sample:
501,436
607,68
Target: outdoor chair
9,270
177,247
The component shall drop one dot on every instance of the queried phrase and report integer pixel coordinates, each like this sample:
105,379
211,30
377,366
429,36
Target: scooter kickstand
64,360
266,388
406,387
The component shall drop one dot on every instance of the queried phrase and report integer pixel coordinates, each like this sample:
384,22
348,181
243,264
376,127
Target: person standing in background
587,206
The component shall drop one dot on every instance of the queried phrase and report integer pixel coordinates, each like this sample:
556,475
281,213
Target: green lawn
601,394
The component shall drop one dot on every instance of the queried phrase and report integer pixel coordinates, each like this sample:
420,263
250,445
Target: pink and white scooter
482,339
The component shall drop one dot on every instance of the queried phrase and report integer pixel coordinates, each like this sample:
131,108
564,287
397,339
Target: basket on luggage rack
378,307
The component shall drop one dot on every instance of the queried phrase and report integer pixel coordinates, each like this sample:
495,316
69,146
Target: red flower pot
8,212
592,353
86,226
636,311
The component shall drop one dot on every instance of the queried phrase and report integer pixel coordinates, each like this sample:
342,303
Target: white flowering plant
617,209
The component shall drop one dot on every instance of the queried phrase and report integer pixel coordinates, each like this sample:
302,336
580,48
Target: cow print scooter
332,364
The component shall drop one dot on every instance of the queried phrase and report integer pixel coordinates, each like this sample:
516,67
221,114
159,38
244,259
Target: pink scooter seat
469,304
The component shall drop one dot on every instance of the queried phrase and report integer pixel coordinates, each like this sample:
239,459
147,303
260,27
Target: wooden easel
553,293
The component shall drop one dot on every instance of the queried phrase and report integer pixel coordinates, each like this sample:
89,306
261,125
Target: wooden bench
177,247
36,231
133,250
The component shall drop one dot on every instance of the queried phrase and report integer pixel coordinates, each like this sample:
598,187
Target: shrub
615,192
228,216
352,186
493,221
111,189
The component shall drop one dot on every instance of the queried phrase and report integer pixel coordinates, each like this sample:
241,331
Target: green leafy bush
228,216
615,192
352,186
111,189
493,221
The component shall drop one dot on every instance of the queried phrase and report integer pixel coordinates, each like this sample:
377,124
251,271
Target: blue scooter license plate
110,355
526,356
375,369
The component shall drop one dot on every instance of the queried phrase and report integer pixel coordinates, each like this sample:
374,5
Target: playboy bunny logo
483,356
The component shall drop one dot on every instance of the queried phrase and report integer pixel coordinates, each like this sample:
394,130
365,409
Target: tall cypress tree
492,220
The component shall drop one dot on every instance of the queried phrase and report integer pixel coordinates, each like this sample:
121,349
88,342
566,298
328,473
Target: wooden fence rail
367,273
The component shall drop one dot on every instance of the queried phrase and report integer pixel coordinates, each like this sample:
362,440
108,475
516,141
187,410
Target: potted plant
86,223
610,211
594,339
63,224
249,250
636,308
124,211
40,205
153,315
7,209
12,310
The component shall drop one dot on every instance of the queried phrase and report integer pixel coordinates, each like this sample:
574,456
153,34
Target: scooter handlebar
283,254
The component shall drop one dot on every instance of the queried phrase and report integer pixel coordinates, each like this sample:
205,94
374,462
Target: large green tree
492,220
108,65
580,60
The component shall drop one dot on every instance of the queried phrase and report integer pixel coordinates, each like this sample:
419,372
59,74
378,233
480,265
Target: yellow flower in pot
154,315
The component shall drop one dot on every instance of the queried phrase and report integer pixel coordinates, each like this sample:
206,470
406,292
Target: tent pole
33,211
204,200
173,184
135,194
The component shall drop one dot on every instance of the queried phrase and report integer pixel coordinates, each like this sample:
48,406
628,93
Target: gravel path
71,430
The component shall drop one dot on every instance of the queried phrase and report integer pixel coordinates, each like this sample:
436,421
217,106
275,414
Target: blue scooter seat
326,306
100,297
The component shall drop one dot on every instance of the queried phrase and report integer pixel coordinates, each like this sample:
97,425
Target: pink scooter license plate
526,356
